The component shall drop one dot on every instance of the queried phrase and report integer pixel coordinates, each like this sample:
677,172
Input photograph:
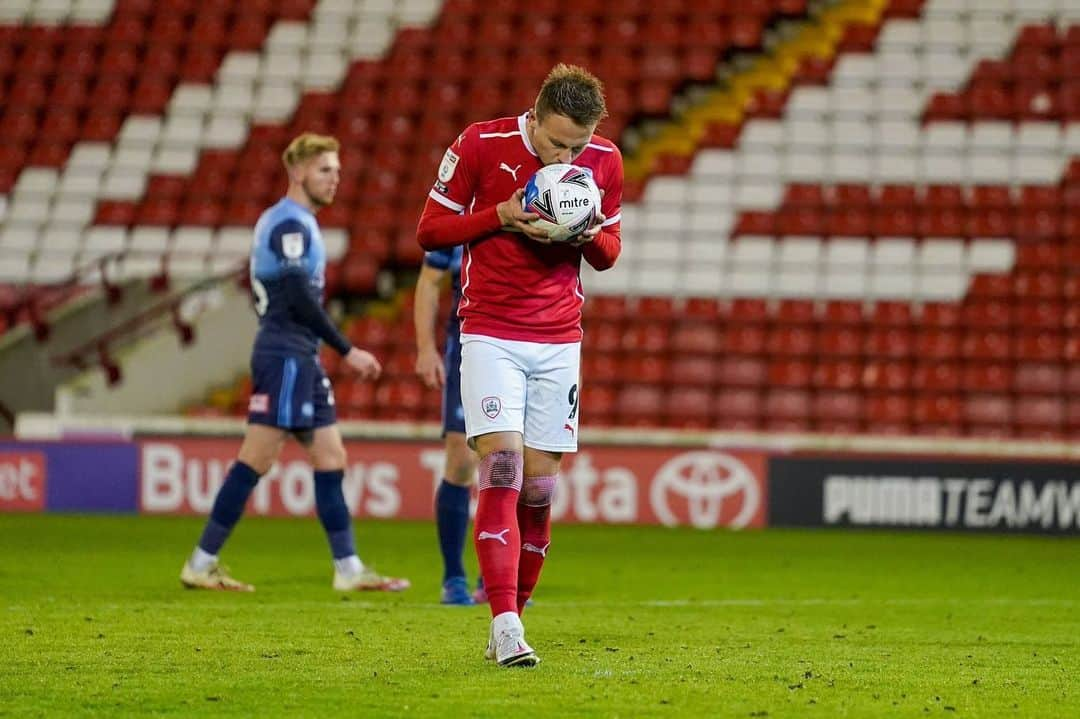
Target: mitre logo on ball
565,197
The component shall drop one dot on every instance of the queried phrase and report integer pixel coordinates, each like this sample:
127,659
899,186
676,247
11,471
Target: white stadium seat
150,240
139,131
125,182
892,253
235,241
192,240
847,254
238,67
174,160
941,254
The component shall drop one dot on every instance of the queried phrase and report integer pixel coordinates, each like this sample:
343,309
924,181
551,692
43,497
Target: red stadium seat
986,345
990,222
887,375
688,408
603,336
745,339
655,308
748,310
737,371
989,409
601,368
787,404
698,370
609,307
742,405
944,197
987,197
701,308
843,312
937,377
795,312
991,286
1037,411
645,368
889,342
598,403
1046,345
842,341
937,409
790,341
990,376
940,315
640,405
838,406
937,344
1039,378
890,314
645,336
986,314
1038,285
790,373
838,374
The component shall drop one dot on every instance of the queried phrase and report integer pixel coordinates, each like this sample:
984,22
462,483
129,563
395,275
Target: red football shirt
512,287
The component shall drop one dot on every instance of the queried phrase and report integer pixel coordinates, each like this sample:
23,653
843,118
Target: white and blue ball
566,198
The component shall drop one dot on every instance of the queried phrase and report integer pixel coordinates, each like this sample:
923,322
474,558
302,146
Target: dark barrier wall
924,493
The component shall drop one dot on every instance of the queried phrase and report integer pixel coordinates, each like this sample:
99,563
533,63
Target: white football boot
507,642
216,578
368,580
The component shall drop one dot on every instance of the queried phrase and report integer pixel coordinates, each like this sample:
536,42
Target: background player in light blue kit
443,370
291,393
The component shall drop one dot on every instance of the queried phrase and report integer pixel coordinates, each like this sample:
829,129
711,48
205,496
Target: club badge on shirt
491,406
448,165
292,245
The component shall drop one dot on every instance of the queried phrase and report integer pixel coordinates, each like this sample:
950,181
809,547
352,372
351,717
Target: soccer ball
566,198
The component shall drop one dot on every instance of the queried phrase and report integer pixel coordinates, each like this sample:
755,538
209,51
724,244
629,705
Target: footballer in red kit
520,311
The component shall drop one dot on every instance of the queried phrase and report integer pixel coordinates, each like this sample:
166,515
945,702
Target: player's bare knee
503,468
538,491
261,462
461,471
328,458
461,475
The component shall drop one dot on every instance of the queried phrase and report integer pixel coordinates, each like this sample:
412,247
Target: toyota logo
705,480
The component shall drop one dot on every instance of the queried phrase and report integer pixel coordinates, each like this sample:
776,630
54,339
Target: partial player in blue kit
291,393
442,370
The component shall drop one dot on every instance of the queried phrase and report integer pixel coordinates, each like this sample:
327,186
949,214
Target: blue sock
452,521
334,513
228,506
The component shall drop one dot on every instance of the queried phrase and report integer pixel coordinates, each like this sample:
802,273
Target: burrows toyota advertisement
602,484
700,488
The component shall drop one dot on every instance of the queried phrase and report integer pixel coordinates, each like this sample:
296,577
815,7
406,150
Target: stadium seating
872,227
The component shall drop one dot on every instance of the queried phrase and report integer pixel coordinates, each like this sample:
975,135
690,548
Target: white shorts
525,387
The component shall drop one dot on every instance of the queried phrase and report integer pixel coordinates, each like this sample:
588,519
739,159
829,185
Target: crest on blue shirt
292,245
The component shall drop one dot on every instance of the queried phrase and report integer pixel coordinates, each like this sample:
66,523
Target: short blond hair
306,146
574,92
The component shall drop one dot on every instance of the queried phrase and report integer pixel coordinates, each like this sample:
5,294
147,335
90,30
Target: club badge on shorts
491,406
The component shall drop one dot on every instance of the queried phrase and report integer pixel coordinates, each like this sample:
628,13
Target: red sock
495,529
535,525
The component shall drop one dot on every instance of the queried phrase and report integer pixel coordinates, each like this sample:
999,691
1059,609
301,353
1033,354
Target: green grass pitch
629,622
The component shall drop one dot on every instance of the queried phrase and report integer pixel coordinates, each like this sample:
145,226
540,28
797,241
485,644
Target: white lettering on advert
951,502
17,481
172,482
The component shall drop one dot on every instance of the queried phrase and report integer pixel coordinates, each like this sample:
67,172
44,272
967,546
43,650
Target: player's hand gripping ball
566,198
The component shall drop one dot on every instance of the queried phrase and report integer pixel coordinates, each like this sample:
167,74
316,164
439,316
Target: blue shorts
291,392
453,415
